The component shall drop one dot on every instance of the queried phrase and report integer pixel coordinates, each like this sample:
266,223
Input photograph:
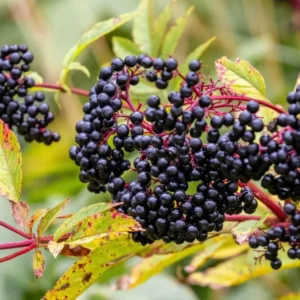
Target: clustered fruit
272,240
169,142
283,145
18,108
189,158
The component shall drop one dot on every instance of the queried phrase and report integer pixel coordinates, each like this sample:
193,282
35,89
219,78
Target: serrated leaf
211,246
50,216
20,212
80,216
159,29
55,248
98,30
35,76
10,164
75,65
32,220
38,263
237,270
103,223
156,263
243,230
173,36
88,269
123,47
142,26
241,77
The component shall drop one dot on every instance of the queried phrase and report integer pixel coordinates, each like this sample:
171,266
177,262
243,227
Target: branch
14,245
19,253
266,200
58,87
16,230
240,218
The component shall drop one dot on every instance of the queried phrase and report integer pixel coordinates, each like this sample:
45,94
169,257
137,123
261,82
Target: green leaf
80,216
237,270
10,164
50,216
159,29
142,26
241,77
196,54
98,30
75,65
88,269
103,223
38,263
173,36
156,263
123,47
243,230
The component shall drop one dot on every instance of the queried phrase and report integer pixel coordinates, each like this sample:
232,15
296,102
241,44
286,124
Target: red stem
19,253
16,230
243,98
266,200
13,245
240,218
58,87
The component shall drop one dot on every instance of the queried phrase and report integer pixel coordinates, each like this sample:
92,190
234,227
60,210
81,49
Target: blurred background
264,32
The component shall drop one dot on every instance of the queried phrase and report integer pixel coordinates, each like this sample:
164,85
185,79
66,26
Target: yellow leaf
291,296
237,270
38,263
241,77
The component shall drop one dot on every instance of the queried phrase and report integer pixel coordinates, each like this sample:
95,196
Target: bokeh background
265,32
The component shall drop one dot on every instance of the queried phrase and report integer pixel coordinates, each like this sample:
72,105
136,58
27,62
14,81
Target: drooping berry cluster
174,146
27,112
283,146
274,237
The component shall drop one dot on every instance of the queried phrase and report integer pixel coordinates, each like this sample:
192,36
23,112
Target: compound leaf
123,47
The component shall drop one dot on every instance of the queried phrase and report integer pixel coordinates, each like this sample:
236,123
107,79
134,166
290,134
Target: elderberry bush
25,111
174,144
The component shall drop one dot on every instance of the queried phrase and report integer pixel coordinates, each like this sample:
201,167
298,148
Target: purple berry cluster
18,108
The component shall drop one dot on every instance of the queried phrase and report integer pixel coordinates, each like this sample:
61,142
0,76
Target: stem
16,230
266,200
243,98
58,87
13,245
19,253
240,218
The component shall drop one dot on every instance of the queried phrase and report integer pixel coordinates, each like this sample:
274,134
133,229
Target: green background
264,32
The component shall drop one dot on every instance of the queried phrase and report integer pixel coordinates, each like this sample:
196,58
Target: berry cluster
170,151
30,116
283,146
274,237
